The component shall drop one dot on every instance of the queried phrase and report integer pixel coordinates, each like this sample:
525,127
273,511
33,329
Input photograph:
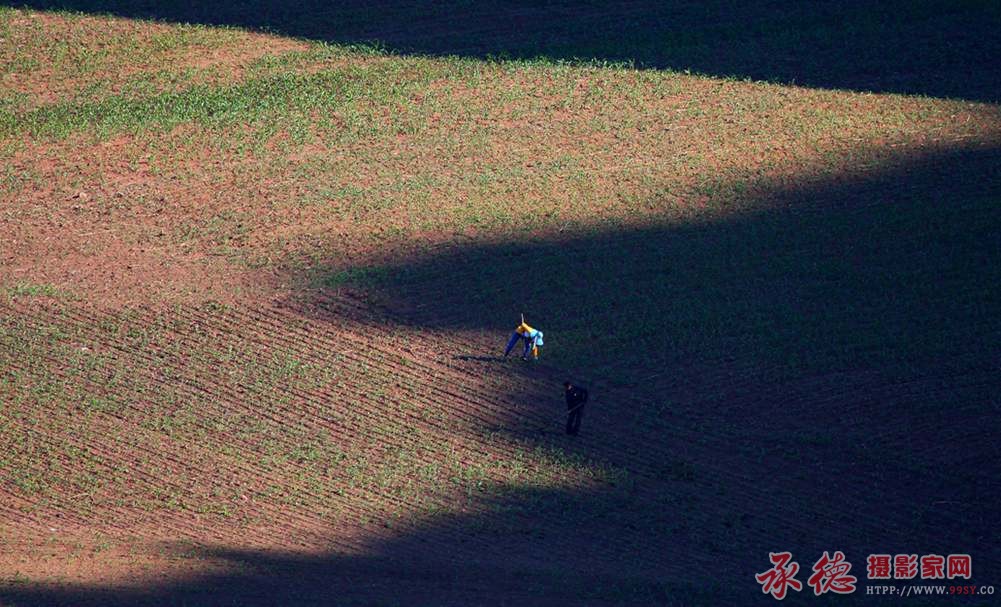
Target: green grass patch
29,289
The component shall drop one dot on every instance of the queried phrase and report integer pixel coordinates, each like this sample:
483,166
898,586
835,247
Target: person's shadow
484,359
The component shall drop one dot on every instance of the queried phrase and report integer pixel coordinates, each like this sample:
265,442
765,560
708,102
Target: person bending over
532,339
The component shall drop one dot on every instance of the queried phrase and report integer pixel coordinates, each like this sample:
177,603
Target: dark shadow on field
528,548
823,370
941,48
893,268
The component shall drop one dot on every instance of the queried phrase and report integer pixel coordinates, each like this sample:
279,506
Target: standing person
576,397
531,337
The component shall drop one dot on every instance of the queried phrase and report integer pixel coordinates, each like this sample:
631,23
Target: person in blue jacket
532,339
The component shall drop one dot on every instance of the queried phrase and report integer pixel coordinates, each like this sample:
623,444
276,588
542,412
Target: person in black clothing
576,397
